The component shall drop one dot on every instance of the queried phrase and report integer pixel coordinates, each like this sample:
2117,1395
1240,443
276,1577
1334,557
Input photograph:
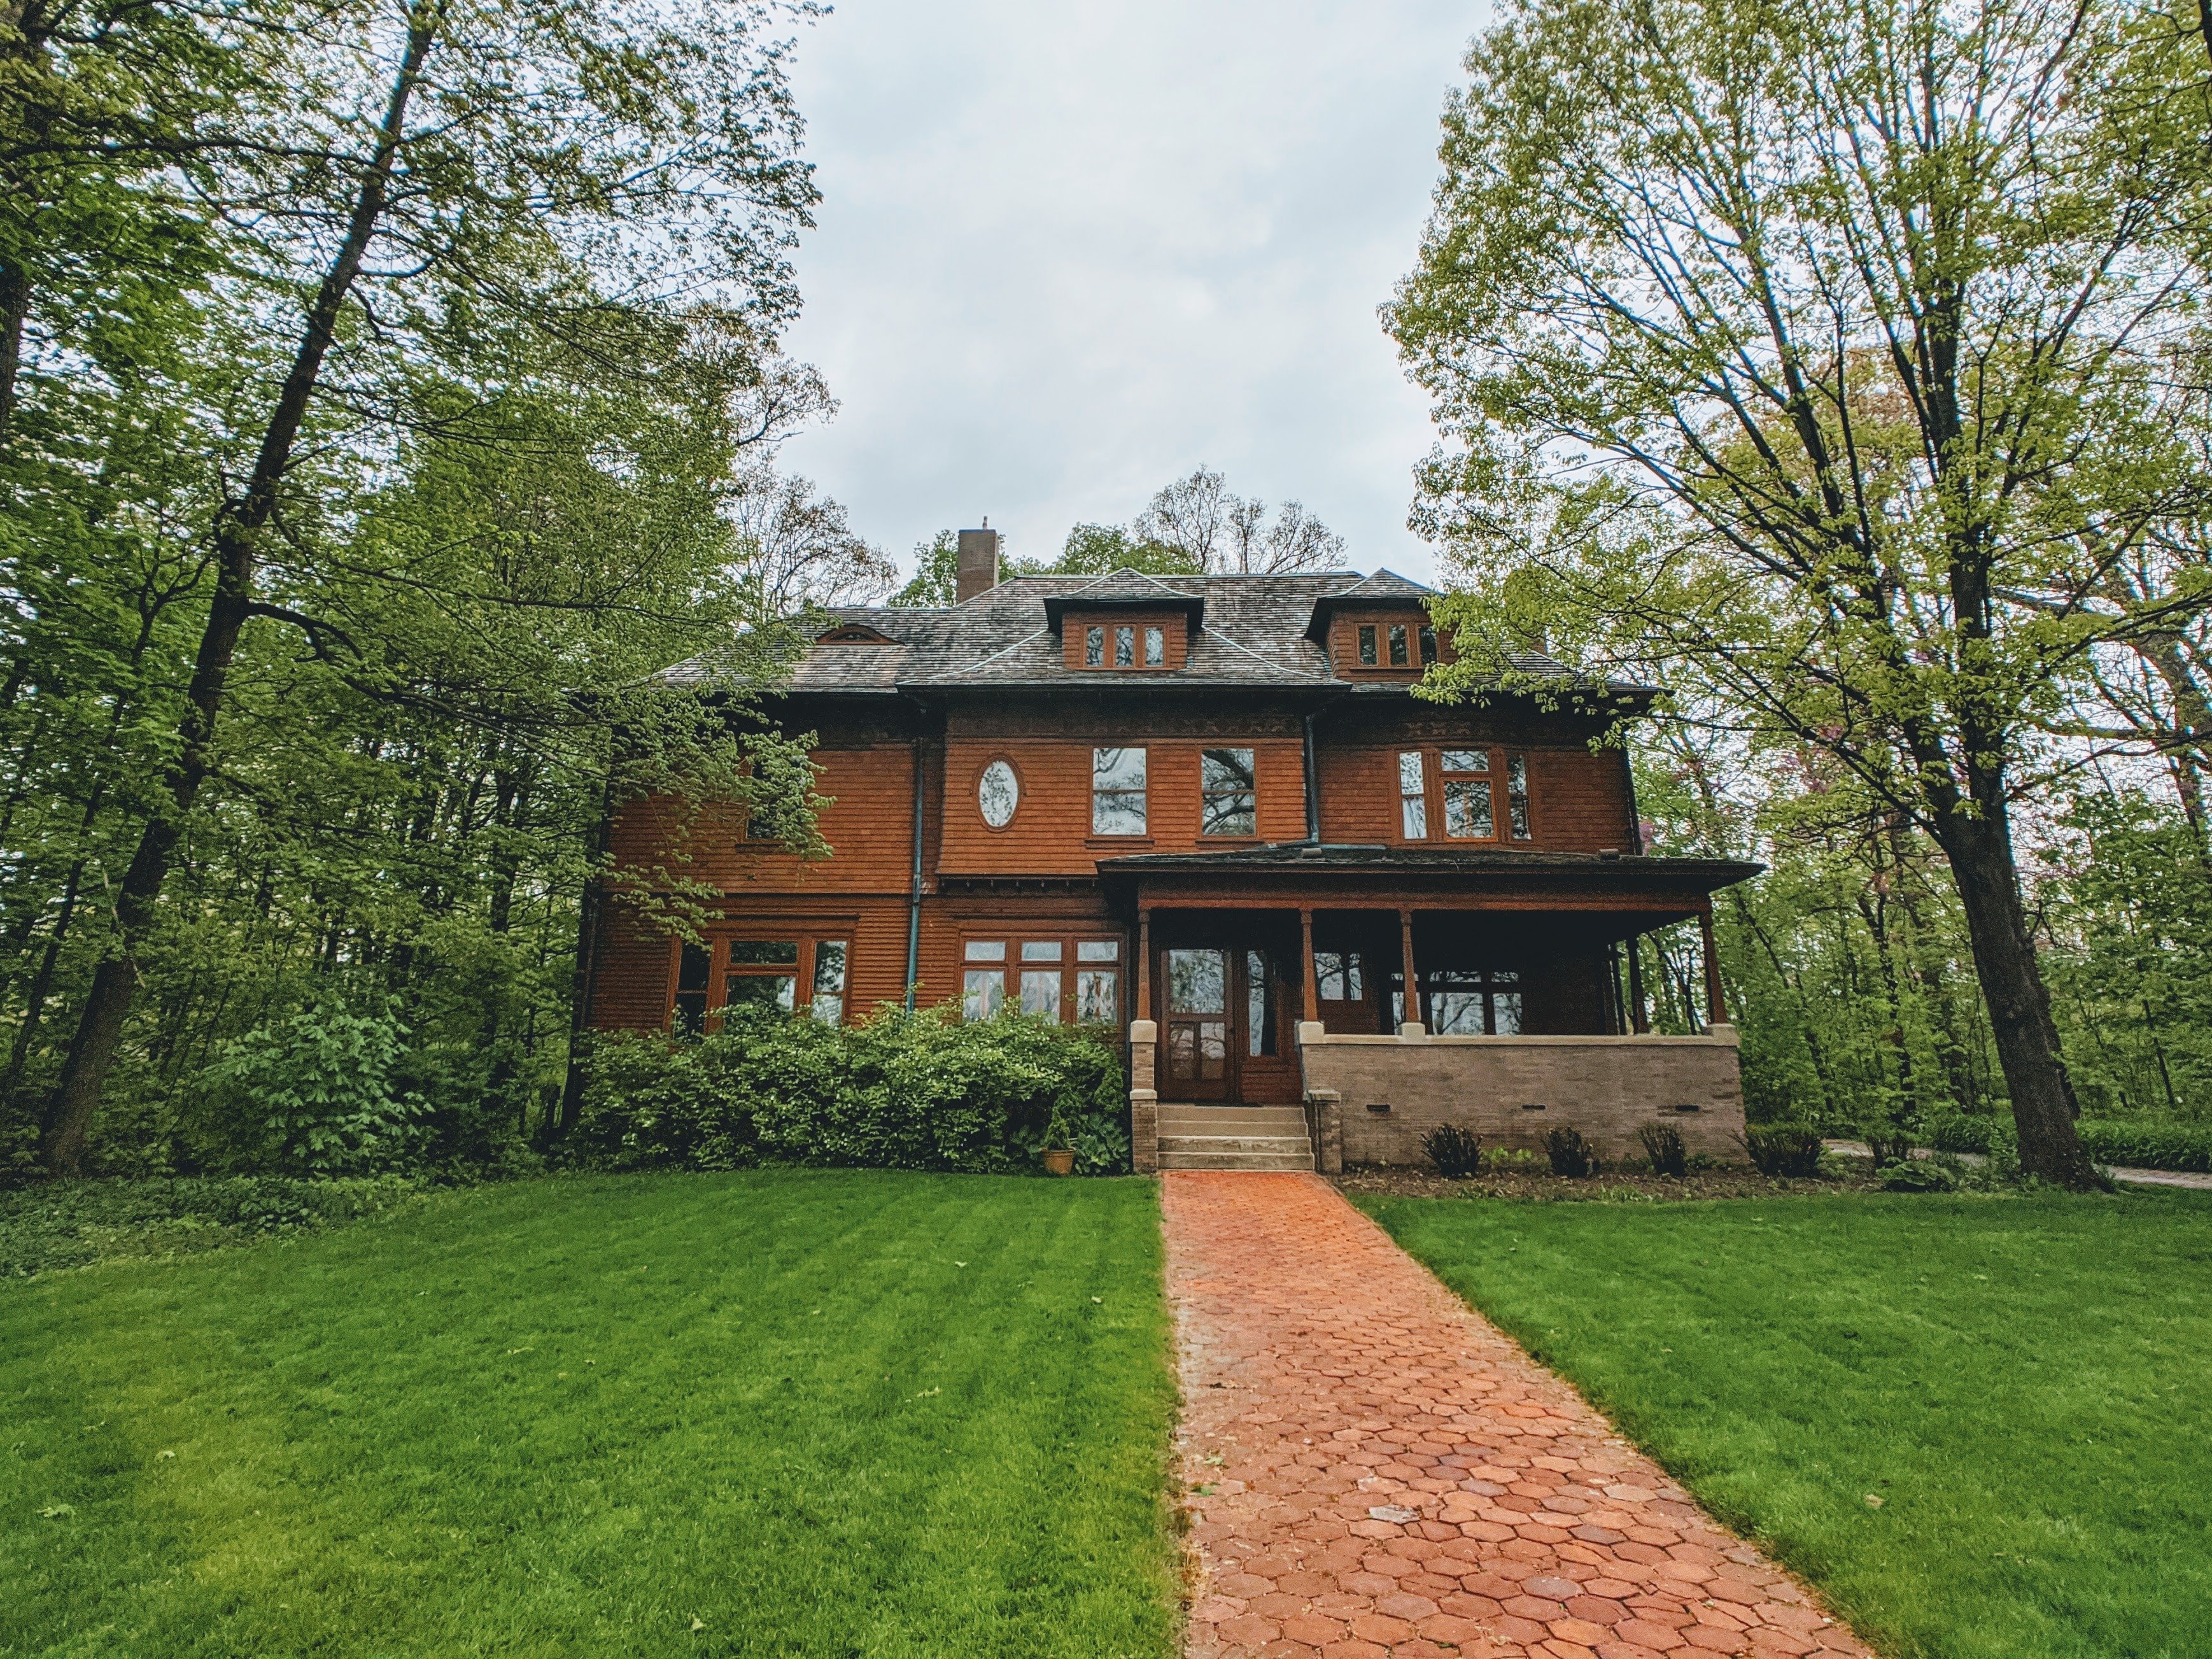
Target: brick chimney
979,563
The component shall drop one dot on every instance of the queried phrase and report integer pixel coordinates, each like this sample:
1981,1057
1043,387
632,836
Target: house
1210,811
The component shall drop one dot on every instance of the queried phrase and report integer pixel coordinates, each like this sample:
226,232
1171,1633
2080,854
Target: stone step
1278,1145
1266,1119
1253,1161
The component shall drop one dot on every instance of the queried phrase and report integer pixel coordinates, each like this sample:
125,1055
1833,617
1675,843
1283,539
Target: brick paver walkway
1372,1469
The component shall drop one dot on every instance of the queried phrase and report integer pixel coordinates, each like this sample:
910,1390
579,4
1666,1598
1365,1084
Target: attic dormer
853,634
1378,629
1126,623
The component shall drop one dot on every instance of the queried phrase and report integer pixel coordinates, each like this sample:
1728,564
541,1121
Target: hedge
904,1091
2125,1142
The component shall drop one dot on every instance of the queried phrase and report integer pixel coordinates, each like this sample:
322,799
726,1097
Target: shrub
1890,1143
1921,1175
310,1094
1455,1151
1570,1153
1663,1145
1790,1150
1955,1132
909,1091
2148,1145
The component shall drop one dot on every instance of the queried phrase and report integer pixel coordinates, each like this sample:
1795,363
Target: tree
1789,347
440,194
1198,520
798,549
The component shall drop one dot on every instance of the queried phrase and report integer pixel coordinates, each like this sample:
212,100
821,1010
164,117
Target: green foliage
70,1224
915,1091
2148,1145
1790,1150
1454,1150
1921,1175
1664,1148
1570,1155
1097,549
311,1094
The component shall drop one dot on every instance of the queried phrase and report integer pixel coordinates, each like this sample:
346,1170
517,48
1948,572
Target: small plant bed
786,1412
1533,1182
1973,1423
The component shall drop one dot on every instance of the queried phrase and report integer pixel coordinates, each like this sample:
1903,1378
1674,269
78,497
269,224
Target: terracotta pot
1060,1162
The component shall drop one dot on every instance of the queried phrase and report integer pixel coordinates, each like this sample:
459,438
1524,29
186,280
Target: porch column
1411,1025
1716,1011
1310,1006
1638,1021
1144,1009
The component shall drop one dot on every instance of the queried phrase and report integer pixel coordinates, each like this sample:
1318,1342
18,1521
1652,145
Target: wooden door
1200,1039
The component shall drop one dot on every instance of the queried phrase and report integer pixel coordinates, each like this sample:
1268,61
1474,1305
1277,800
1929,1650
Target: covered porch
1384,992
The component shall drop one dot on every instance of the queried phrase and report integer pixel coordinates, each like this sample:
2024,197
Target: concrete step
1280,1146
1235,1120
1303,1159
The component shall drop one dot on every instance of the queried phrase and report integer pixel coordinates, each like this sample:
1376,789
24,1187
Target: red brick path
1390,1475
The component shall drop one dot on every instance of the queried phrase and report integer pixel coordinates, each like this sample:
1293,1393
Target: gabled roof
1258,633
1127,590
1384,589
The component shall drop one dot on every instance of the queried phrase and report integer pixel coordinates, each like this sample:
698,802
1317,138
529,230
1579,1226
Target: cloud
1068,252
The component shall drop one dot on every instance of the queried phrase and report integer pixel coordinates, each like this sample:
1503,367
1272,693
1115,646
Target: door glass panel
1259,1013
1198,982
1198,1051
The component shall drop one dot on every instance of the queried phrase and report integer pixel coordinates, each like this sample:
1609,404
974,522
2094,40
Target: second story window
1517,796
1094,647
1467,811
1117,791
1156,647
1399,656
1428,644
1412,796
1225,784
1124,648
1367,656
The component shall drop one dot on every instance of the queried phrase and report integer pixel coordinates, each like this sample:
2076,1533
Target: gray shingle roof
1256,634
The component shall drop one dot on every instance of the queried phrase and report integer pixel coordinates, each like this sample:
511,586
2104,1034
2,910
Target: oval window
997,793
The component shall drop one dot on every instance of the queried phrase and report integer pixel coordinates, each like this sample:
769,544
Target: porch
1490,992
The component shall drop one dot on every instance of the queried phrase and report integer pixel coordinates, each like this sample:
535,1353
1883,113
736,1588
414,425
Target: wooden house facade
1207,811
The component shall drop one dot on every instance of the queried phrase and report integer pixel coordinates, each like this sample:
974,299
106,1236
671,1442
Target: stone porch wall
1607,1087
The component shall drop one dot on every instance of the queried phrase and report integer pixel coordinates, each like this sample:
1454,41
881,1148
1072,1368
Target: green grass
762,1413
2020,1382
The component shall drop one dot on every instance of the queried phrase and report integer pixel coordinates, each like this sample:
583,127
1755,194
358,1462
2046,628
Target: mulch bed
1624,1187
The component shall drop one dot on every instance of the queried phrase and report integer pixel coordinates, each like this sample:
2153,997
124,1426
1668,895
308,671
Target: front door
1200,1014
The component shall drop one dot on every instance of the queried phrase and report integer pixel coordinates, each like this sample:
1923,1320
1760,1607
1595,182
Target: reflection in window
1041,950
763,973
1098,949
1367,645
828,1002
1474,1002
1094,647
1412,796
1428,644
1467,794
1259,1005
1398,657
1198,982
1098,995
1117,792
689,1013
1226,793
983,993
998,793
1124,648
1156,647
1516,795
1040,992
986,949
1338,975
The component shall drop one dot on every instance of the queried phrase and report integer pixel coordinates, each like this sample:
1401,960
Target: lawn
788,1414
1980,1426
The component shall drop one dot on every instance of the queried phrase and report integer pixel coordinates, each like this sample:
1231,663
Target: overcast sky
1068,252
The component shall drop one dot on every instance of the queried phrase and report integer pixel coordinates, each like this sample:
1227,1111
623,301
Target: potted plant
1058,1155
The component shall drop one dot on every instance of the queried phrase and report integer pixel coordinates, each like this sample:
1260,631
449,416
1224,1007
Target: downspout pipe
913,894
1313,786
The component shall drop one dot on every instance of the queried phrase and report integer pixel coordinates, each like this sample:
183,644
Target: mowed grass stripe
2020,1383
787,1414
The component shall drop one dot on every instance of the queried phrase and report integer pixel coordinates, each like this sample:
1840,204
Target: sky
1068,252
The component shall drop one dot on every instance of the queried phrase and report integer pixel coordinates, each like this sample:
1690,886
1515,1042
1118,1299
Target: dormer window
1367,656
1124,648
1141,642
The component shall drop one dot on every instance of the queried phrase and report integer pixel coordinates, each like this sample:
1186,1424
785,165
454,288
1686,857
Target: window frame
1021,957
1094,645
809,937
1021,793
1249,792
1512,801
1142,792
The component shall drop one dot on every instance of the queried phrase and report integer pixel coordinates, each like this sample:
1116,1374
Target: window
827,1004
1259,1005
1398,658
983,990
1413,795
762,974
1337,973
1094,647
1517,796
998,793
1467,794
1098,990
1124,648
1367,645
693,964
1117,791
1041,986
1225,786
1041,981
1474,1002
1156,647
1428,644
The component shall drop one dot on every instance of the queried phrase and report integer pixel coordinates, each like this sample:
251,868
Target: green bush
2133,1145
1791,1149
904,1091
67,1224
1454,1150
1955,1132
1570,1153
311,1094
1921,1175
1663,1146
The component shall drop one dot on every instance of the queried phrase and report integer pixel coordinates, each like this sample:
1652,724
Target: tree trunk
590,907
1980,853
238,530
